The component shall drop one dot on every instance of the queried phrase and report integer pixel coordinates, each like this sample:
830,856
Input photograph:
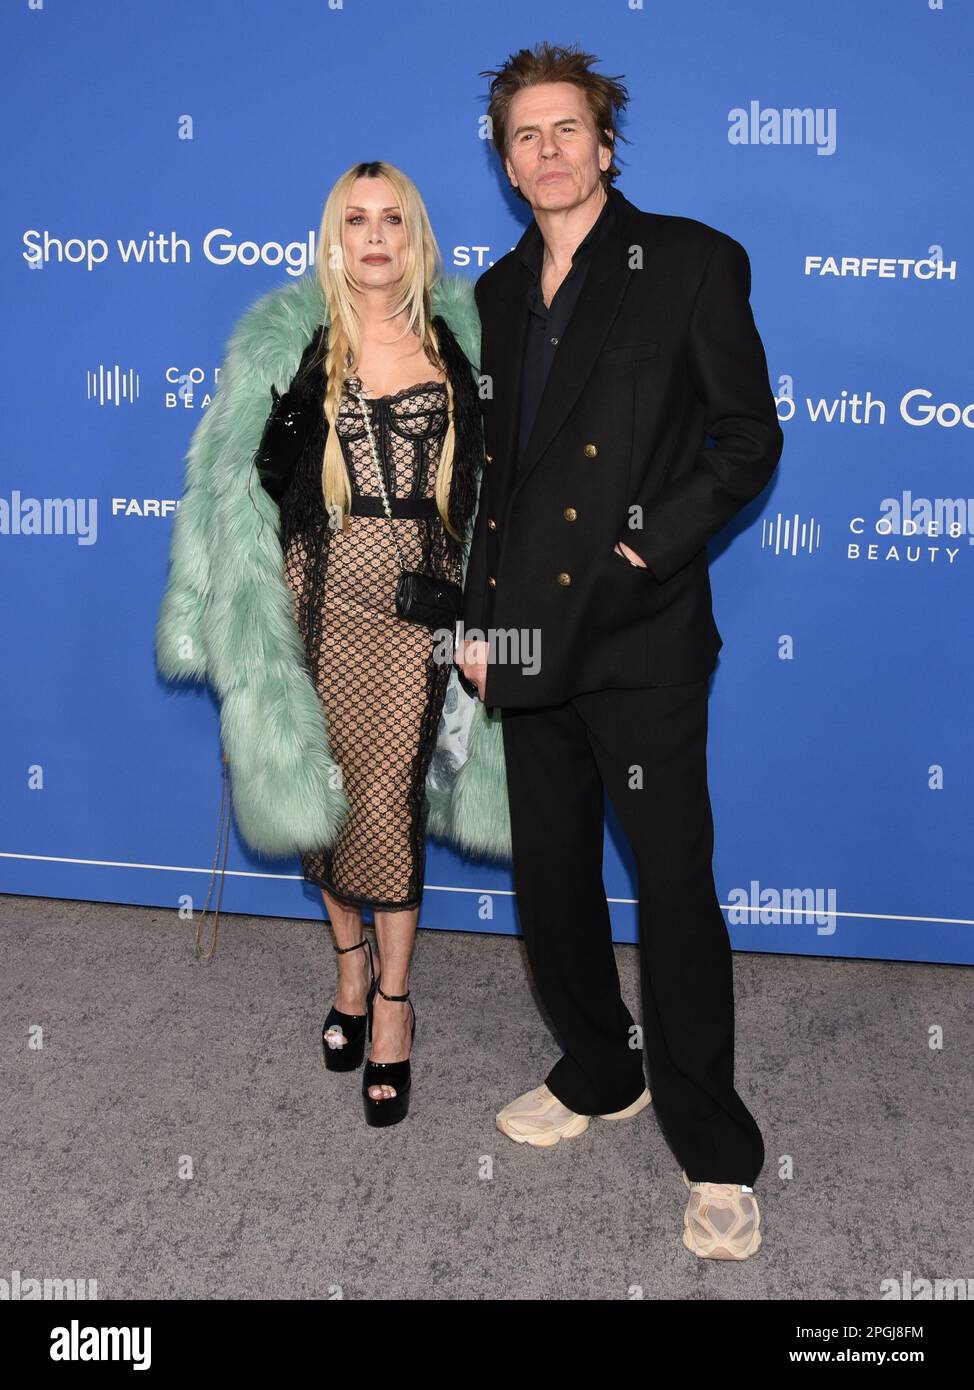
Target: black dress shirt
547,323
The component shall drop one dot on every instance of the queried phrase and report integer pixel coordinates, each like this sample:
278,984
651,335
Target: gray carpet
150,1055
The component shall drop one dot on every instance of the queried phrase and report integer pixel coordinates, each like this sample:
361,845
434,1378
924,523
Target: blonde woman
380,677
384,399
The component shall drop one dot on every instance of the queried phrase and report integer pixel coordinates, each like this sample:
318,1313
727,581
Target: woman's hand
471,657
630,555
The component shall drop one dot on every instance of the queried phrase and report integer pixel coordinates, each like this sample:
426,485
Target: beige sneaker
721,1221
539,1118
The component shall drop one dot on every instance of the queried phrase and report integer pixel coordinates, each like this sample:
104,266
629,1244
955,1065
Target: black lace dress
375,673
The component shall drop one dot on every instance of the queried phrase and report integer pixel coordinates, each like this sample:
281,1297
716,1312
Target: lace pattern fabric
375,673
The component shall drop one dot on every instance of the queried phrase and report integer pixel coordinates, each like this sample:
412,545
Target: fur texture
227,614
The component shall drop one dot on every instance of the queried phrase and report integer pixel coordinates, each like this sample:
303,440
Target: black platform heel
396,1074
349,1054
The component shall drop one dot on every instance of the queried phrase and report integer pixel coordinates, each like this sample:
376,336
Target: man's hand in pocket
630,555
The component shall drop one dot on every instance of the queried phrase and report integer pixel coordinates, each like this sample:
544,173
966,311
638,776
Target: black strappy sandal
396,1074
348,1055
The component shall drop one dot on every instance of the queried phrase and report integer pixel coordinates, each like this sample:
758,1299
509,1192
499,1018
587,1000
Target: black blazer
660,352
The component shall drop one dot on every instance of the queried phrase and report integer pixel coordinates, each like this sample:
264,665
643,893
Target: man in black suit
614,342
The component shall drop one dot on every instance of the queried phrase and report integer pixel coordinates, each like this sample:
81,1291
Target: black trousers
647,748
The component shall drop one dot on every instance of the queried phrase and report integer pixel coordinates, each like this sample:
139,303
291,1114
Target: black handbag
420,598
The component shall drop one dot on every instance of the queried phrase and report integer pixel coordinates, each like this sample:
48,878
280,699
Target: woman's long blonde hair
423,269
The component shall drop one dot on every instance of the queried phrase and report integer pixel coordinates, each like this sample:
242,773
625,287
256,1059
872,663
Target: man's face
553,151
374,234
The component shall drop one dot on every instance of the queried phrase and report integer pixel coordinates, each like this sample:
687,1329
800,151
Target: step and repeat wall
168,164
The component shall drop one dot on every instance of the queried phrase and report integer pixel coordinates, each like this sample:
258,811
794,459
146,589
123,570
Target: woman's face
374,234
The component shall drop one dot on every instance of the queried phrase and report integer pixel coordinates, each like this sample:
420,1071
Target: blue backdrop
151,145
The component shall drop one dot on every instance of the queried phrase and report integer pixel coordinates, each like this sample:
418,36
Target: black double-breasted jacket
656,425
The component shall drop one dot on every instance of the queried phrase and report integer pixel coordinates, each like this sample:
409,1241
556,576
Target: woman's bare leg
353,966
391,1023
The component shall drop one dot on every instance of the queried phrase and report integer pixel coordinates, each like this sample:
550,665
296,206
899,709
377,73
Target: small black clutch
422,598
287,430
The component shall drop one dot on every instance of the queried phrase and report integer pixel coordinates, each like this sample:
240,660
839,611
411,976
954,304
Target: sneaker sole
721,1252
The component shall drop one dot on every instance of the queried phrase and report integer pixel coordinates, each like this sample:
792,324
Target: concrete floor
155,1065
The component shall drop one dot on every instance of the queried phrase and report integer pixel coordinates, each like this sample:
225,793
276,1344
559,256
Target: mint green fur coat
227,615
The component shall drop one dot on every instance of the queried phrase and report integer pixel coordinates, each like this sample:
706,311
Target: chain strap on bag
420,598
